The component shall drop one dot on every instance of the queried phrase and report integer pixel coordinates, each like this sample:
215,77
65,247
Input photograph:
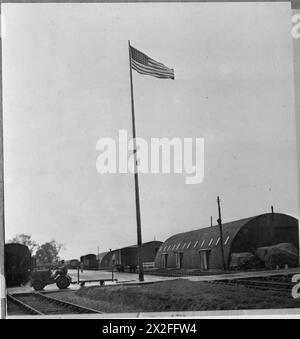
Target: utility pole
112,265
221,234
211,221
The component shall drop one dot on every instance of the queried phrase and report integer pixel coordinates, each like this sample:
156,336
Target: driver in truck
62,269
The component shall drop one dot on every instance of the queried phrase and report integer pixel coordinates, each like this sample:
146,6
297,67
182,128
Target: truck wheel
62,282
38,285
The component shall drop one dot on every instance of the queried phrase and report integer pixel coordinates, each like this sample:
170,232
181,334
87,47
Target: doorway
165,260
204,259
179,259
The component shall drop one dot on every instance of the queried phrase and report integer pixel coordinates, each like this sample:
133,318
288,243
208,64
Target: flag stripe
141,63
157,75
156,63
154,74
150,69
159,67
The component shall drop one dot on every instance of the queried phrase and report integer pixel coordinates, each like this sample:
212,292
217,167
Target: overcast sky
66,84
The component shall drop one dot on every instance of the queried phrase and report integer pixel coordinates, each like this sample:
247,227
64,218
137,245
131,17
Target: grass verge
177,295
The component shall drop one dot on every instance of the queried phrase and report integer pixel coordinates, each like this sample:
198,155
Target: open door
204,260
165,260
179,259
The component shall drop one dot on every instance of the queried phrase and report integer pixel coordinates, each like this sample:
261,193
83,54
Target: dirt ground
177,295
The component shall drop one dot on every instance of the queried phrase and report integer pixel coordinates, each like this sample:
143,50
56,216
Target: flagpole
136,179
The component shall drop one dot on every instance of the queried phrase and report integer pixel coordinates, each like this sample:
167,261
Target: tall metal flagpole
136,179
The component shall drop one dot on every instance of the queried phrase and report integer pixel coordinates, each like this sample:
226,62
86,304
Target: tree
26,240
48,252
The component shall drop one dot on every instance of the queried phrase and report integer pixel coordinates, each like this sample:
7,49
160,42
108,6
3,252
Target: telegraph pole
221,234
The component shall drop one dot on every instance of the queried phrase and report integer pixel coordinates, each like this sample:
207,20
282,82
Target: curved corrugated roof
88,255
204,238
208,237
100,256
135,246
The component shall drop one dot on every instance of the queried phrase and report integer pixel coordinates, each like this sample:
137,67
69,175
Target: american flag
141,63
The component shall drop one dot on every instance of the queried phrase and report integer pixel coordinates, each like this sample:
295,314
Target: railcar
89,262
18,264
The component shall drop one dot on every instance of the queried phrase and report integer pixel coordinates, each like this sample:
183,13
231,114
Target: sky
66,84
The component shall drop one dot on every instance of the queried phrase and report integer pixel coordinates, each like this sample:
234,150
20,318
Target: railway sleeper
25,307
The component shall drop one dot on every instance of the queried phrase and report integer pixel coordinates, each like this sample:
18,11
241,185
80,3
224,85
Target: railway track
278,284
40,304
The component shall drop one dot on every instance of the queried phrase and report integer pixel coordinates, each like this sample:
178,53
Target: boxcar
89,262
17,264
73,264
125,259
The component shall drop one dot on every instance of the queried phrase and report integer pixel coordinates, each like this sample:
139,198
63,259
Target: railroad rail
277,283
39,304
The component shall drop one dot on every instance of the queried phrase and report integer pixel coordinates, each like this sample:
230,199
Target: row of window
175,247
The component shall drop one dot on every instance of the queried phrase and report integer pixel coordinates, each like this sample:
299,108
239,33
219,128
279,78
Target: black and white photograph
150,160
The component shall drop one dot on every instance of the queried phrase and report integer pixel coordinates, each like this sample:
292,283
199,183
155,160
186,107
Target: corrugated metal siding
246,234
128,255
201,239
267,230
